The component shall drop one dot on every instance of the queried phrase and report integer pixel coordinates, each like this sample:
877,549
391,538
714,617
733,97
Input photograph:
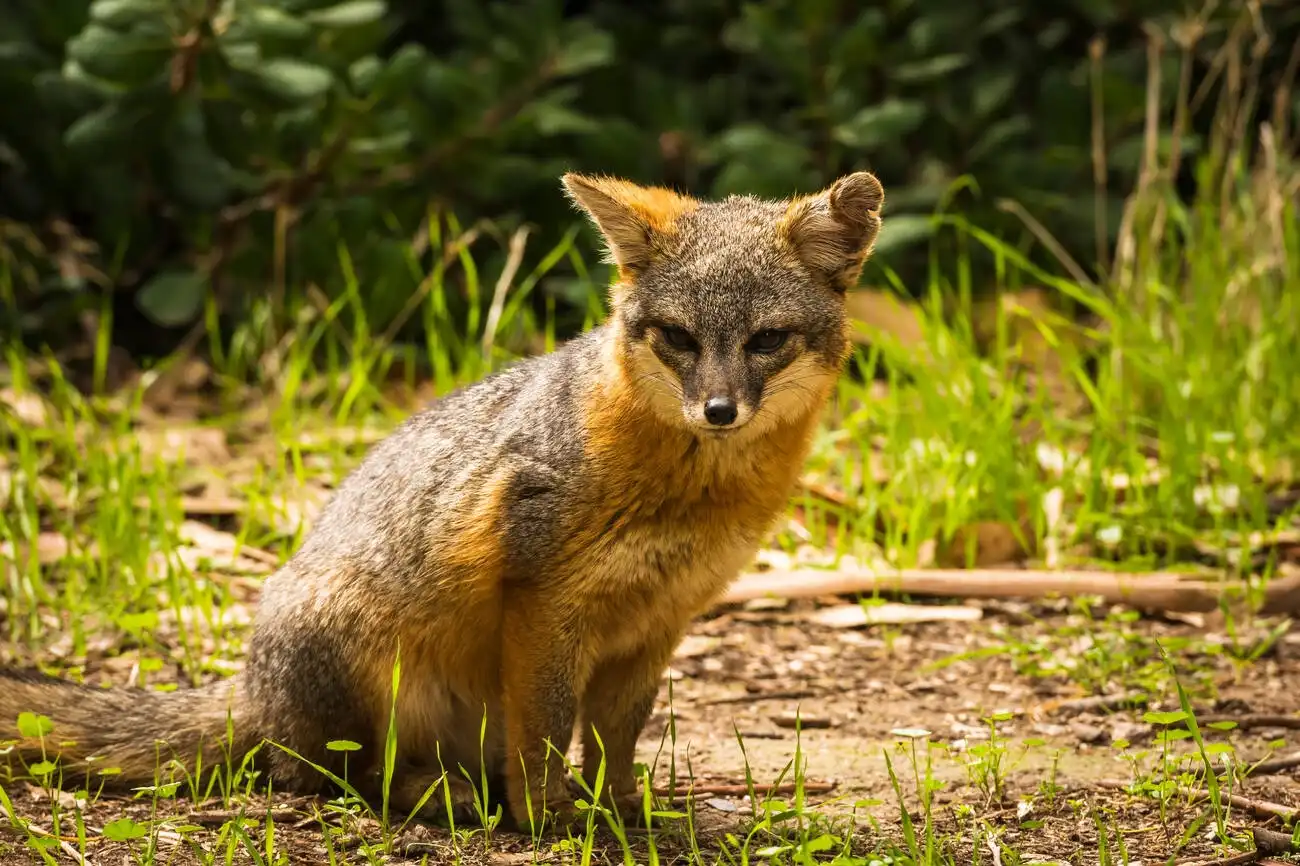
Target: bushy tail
130,732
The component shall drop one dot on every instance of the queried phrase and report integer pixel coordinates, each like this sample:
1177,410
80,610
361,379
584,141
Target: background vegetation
175,154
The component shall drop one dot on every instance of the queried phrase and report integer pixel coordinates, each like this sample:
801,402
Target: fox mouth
717,434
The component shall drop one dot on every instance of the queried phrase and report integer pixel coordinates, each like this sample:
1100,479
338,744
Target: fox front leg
538,661
617,703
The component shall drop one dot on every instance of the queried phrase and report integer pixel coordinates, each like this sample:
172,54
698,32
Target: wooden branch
1099,704
1273,842
1261,809
1251,720
1154,590
1271,767
1245,859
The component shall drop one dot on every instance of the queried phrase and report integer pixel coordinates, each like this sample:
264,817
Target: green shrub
178,152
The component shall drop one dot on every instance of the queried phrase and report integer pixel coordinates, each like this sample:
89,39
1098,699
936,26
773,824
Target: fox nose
720,411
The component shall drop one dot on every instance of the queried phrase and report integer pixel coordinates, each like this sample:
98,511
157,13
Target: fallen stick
1098,704
1246,722
1155,590
1258,808
1273,842
742,790
1241,723
1272,767
1262,809
1236,860
219,817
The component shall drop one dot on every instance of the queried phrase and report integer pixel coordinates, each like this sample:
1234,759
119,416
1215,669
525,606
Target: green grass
1180,425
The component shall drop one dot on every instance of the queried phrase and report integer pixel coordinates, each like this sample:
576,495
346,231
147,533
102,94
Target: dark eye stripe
678,338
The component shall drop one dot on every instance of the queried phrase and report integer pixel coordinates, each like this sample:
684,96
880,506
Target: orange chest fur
671,524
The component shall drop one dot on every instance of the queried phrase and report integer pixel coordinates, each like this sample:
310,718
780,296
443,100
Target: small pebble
1086,733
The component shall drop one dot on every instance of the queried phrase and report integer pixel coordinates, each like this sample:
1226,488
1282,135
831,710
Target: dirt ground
859,692
854,686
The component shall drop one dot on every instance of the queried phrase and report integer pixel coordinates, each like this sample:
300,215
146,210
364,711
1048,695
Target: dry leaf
858,615
767,558
696,645
212,506
195,445
755,605
27,407
50,548
221,549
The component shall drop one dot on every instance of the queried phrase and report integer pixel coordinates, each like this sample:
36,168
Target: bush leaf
883,122
172,298
295,79
354,13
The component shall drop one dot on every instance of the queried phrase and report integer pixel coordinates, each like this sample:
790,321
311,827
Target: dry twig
1099,704
1272,767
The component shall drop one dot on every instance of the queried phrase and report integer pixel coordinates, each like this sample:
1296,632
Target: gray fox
535,544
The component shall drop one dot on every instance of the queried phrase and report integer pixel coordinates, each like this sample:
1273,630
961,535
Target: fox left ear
834,231
634,220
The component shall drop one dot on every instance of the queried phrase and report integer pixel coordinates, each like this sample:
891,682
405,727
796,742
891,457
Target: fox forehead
729,269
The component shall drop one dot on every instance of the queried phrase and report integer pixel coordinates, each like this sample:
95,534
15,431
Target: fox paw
447,790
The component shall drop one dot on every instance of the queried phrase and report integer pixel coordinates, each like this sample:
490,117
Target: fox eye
679,338
767,342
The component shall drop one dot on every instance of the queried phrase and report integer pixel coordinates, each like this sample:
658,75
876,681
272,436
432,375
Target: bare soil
745,673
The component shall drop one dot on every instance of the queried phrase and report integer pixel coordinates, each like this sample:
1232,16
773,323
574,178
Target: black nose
720,411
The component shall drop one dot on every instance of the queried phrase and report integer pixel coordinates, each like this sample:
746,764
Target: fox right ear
834,231
634,220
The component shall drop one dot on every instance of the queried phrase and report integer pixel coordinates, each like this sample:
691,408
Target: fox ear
834,231
634,220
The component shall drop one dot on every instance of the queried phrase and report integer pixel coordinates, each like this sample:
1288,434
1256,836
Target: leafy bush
181,152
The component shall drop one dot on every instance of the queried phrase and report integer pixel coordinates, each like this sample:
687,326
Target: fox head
730,314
